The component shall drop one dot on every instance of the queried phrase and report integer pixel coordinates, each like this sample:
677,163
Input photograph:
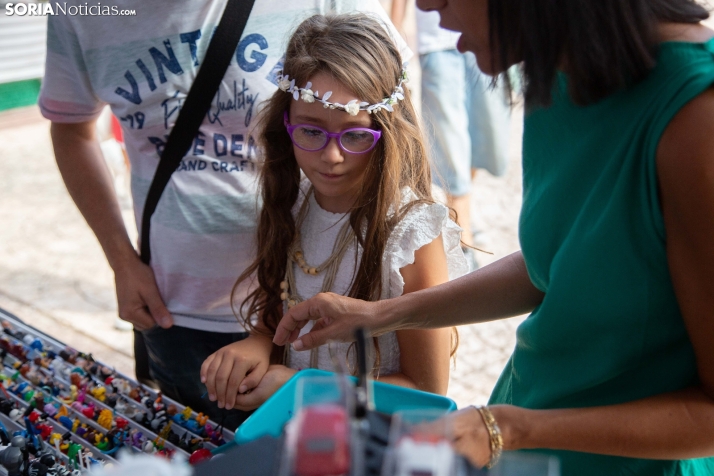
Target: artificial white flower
352,107
307,95
284,83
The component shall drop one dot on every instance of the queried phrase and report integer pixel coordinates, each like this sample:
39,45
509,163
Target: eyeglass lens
311,138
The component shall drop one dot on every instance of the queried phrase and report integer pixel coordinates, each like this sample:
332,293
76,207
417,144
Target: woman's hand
470,437
274,378
501,289
236,368
336,319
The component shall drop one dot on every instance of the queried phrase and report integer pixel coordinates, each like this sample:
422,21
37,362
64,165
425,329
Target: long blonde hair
358,52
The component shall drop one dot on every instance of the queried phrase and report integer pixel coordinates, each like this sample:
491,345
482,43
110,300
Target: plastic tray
272,416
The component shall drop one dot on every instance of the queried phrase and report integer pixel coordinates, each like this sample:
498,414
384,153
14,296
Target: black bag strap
218,56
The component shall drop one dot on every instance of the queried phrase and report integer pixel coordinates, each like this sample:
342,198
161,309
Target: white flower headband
354,106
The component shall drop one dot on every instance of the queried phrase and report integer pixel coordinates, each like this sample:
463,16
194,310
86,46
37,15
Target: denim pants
467,122
175,358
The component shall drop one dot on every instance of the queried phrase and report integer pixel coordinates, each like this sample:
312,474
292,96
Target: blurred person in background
467,121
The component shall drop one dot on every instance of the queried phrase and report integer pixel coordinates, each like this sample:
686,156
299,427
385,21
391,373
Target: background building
22,58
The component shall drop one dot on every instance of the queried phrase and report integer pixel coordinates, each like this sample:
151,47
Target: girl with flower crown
347,208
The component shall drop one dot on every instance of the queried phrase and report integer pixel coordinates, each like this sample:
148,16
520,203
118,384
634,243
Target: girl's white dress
319,230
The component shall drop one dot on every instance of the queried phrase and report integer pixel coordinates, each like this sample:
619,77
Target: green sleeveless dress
609,329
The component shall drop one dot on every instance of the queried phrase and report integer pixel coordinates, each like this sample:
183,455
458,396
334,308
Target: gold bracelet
494,434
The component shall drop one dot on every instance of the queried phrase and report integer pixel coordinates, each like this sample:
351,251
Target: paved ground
54,276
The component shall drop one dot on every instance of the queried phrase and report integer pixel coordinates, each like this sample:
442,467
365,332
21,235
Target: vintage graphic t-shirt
143,66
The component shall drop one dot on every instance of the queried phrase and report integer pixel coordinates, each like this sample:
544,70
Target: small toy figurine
73,452
105,418
201,419
76,379
66,422
32,416
199,455
213,435
68,355
55,439
159,420
122,407
44,429
121,423
12,459
88,411
99,393
134,394
72,397
24,369
120,385
39,401
149,447
111,400
82,430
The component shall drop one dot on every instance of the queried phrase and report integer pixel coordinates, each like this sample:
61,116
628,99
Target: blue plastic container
272,416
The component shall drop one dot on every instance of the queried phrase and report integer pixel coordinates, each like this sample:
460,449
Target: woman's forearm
678,425
502,289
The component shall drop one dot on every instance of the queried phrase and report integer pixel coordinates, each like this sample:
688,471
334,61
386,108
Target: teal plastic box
272,416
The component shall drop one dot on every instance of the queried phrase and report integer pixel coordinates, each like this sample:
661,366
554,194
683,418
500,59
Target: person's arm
502,289
397,13
235,370
89,183
677,425
424,354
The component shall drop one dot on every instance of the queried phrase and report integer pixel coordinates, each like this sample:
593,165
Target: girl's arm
677,425
424,354
234,370
502,289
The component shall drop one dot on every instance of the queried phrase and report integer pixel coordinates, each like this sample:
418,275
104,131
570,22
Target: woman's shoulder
685,32
686,148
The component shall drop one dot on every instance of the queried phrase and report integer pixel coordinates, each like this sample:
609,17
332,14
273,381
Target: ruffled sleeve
422,225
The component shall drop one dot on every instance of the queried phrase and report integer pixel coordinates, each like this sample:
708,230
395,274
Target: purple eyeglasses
356,140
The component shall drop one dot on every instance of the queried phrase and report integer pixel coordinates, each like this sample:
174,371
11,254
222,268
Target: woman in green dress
613,370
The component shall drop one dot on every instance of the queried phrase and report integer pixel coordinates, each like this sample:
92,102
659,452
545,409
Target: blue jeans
467,122
175,358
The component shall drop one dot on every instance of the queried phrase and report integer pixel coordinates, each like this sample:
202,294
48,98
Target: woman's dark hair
603,45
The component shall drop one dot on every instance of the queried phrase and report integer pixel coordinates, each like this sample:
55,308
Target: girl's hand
236,368
274,378
470,437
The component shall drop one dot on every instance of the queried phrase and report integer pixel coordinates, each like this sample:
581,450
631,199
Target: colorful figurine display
84,412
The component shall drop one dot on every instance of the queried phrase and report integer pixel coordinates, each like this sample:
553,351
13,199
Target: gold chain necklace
288,288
